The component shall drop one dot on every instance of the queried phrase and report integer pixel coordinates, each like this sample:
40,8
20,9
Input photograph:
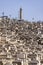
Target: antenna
2,13
2,16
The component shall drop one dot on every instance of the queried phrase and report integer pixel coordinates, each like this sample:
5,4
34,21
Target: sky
31,9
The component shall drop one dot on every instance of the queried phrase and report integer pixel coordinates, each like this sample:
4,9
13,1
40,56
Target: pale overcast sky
31,8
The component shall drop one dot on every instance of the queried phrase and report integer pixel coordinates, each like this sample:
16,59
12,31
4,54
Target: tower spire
20,13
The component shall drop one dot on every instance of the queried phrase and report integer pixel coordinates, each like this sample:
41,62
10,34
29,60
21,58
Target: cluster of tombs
21,42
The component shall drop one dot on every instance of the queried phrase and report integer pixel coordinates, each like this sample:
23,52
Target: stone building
21,42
